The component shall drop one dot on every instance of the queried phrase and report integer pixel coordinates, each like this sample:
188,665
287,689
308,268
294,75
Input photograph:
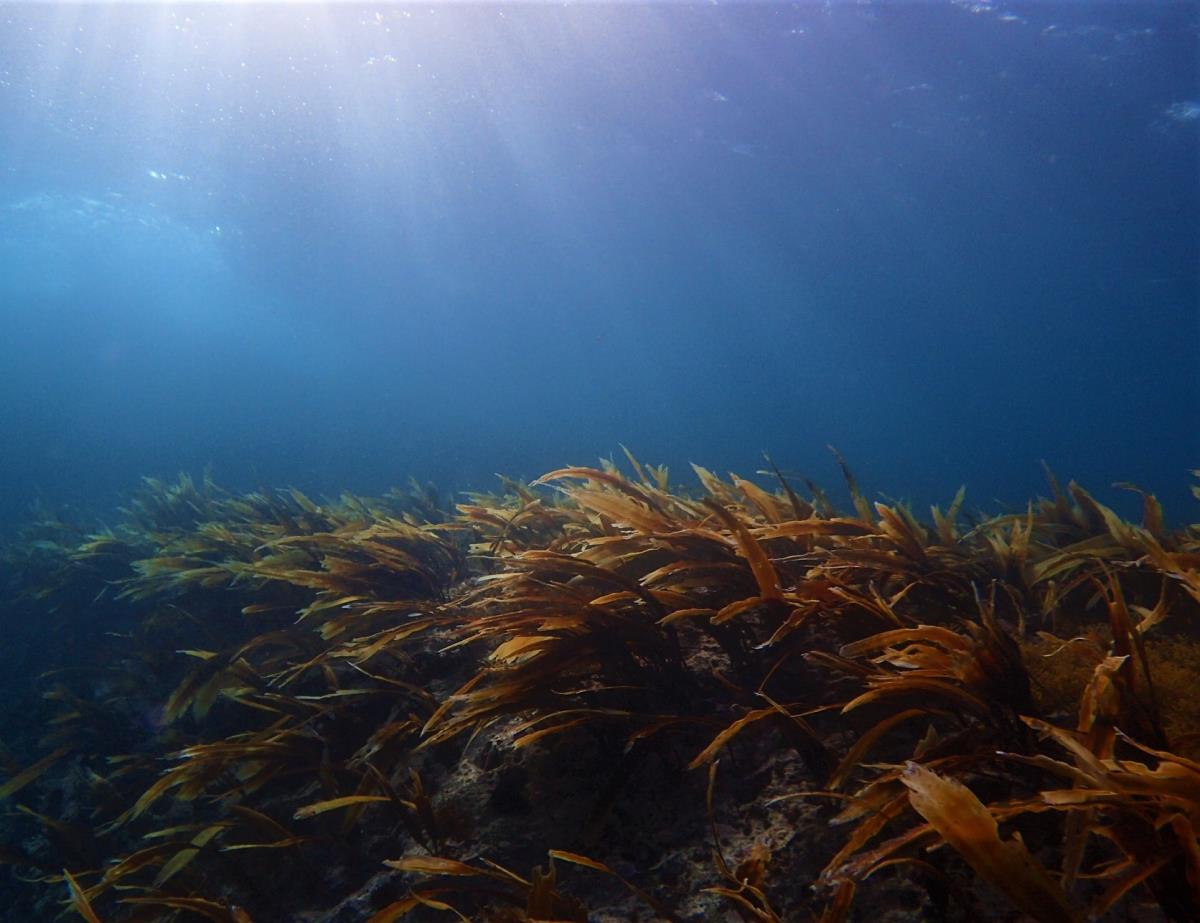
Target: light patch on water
1177,119
162,176
91,248
912,88
1187,110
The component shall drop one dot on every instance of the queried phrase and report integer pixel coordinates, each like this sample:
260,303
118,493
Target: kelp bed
598,698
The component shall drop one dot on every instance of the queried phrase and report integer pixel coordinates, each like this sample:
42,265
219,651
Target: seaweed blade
962,821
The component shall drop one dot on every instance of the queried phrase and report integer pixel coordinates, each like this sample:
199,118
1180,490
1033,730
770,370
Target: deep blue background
338,246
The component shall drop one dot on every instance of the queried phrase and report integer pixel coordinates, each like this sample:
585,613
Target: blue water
334,246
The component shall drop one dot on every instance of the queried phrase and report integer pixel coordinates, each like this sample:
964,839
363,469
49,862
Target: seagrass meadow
598,697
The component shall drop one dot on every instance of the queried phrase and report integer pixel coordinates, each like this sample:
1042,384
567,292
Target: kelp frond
284,680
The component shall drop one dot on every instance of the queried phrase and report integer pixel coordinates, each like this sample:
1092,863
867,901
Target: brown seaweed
315,670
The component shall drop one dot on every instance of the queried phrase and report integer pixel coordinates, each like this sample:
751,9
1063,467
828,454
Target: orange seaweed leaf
79,902
32,773
764,571
335,804
962,821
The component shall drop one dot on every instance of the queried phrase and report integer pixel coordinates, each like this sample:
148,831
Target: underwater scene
600,462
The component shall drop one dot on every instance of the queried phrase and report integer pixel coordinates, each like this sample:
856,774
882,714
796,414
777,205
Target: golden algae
978,711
